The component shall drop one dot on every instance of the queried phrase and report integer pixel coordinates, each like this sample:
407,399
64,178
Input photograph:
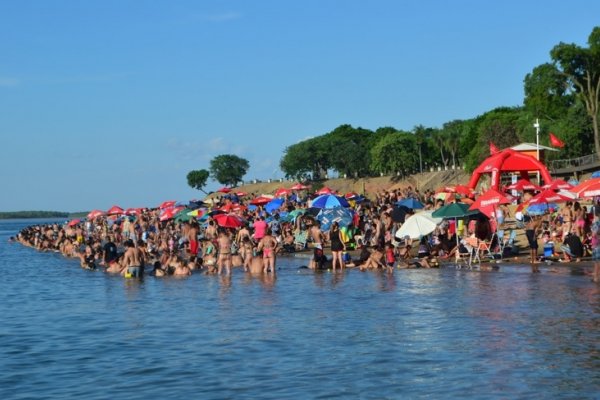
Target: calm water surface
71,333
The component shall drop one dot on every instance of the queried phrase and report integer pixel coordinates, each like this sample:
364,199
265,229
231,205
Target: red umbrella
548,196
74,222
281,192
167,204
351,195
95,214
228,220
558,184
241,194
299,186
224,189
585,187
115,210
523,184
460,189
232,207
169,213
487,202
261,200
325,190
133,211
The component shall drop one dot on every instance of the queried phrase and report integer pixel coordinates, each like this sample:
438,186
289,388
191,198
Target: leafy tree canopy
228,169
197,179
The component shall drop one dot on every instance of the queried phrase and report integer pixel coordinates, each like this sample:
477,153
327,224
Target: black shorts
533,244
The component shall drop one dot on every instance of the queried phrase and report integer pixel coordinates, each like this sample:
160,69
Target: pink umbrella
115,210
74,222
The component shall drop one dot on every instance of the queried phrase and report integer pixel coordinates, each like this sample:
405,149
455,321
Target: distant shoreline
38,214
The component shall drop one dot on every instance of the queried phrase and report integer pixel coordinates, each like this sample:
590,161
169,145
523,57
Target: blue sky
113,102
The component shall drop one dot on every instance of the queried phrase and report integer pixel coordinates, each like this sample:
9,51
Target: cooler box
548,249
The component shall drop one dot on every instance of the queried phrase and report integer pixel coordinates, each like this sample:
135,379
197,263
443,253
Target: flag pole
537,145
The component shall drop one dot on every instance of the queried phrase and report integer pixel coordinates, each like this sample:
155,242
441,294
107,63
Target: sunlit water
71,333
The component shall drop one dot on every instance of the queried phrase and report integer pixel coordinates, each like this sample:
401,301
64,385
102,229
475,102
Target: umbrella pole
457,252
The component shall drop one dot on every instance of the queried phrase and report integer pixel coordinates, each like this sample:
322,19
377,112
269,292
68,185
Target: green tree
546,93
395,152
581,67
454,131
197,179
228,169
349,150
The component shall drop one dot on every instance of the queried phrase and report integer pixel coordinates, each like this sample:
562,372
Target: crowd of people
145,243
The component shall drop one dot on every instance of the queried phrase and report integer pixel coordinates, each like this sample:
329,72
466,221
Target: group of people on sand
143,244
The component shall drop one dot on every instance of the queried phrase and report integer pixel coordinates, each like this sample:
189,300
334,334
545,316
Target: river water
71,333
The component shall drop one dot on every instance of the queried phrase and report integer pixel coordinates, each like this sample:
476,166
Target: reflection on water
446,333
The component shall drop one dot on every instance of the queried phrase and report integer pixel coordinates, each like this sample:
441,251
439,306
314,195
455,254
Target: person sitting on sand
374,261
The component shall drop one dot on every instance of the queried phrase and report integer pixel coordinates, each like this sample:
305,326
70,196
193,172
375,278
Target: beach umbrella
133,211
460,189
324,190
292,215
329,201
548,196
558,184
169,213
232,207
183,215
115,210
195,204
453,210
282,192
73,222
197,213
299,186
596,174
274,205
410,203
261,200
224,189
416,226
398,214
539,208
167,204
95,214
241,194
523,184
327,216
351,195
228,220
487,202
585,186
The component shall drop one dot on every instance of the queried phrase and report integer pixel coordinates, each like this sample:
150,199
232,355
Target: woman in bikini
268,244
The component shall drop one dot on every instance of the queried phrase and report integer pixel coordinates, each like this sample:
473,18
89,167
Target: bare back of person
268,245
224,259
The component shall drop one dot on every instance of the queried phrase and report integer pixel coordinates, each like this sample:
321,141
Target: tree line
563,94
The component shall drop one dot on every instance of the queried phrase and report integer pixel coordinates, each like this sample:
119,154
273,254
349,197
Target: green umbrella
182,216
292,215
454,210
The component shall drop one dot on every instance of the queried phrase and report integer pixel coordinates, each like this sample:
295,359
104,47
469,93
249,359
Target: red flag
556,142
493,148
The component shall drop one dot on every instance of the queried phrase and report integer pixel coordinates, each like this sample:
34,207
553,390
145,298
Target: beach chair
508,241
300,240
465,254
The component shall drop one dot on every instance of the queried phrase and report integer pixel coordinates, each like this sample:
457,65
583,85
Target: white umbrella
416,226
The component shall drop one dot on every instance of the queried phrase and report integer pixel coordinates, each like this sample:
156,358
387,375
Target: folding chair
508,242
466,258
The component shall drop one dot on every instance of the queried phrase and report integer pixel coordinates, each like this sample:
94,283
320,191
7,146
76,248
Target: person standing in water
268,245
224,258
531,231
133,260
337,246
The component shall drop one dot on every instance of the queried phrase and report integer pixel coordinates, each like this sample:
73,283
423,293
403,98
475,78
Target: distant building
531,150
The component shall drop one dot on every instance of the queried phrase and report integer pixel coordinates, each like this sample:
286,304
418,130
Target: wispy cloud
6,82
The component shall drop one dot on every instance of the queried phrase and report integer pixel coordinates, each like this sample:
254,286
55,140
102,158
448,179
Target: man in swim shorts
193,238
133,260
317,242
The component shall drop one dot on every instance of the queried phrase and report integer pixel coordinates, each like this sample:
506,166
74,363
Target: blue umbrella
411,203
596,174
541,208
329,201
274,205
327,216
